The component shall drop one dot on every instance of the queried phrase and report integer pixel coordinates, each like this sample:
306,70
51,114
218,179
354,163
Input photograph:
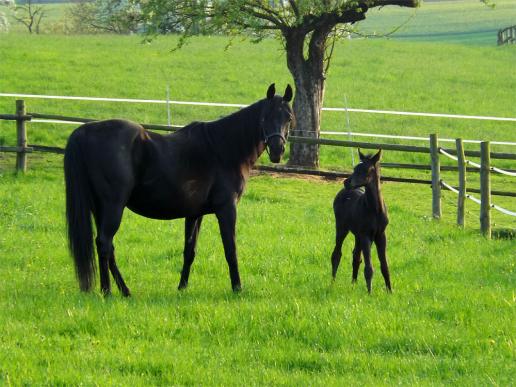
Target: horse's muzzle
276,149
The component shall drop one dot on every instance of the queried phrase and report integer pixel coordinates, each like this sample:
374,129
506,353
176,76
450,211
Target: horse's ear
271,91
287,97
361,155
377,157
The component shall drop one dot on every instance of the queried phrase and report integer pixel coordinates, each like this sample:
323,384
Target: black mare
365,215
200,169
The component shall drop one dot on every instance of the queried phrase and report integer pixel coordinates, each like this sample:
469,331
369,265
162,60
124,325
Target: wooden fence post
436,177
485,189
21,131
462,181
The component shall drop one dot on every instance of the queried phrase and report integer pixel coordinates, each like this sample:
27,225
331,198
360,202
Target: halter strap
267,137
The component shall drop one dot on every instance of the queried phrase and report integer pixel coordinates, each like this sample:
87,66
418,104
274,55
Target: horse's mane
232,139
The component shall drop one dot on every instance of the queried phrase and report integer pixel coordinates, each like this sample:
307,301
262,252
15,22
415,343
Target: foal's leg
192,226
365,245
356,259
227,223
381,244
108,222
340,235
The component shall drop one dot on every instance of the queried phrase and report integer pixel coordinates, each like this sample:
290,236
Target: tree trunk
309,79
307,108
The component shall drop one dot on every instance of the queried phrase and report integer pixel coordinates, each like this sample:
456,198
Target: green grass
450,319
459,21
390,75
462,22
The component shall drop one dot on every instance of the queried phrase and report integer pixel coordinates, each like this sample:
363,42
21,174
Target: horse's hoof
237,288
126,293
182,286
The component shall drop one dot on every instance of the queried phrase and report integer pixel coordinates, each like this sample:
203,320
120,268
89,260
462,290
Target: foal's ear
377,157
287,97
271,91
361,155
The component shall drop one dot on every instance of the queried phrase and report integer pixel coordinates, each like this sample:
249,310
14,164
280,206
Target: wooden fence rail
433,150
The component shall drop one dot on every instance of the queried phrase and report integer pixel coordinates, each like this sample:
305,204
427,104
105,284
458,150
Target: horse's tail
78,213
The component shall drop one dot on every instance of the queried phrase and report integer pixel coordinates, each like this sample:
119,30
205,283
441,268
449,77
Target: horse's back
348,209
107,132
108,149
354,213
346,199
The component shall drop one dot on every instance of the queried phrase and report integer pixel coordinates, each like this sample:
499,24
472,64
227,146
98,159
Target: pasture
450,319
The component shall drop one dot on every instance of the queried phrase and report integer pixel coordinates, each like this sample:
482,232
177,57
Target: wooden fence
507,35
23,148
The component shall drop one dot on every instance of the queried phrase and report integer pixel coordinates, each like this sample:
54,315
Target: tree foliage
307,28
30,15
4,23
111,16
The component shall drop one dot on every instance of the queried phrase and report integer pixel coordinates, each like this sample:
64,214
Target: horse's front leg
381,245
365,246
192,227
227,222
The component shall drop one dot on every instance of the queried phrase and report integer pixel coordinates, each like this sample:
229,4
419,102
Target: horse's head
276,119
364,172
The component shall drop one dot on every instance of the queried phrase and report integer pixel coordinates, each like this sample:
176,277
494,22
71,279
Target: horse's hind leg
381,244
365,245
192,227
356,259
108,222
340,235
118,276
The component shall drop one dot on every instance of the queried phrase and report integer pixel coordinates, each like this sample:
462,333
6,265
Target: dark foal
365,215
200,169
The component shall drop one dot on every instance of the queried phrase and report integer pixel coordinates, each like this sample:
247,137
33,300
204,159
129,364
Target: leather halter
267,137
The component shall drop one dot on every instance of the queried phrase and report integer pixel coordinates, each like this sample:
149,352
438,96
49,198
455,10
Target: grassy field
450,319
462,22
372,74
454,21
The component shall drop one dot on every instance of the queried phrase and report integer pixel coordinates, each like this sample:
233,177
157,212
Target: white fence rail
158,101
169,102
485,184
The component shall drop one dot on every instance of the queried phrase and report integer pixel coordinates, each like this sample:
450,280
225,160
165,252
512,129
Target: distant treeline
21,2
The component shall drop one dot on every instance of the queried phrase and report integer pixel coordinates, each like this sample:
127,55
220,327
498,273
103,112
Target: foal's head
365,171
276,119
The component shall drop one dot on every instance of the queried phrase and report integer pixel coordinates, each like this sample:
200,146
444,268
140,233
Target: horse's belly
190,199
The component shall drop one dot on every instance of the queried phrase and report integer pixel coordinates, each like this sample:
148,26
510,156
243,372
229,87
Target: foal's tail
78,213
